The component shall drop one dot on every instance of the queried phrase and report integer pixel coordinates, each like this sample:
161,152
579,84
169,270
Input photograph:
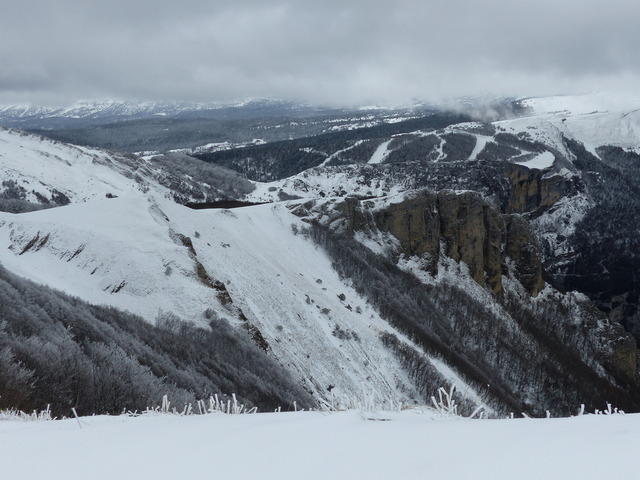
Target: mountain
109,111
373,263
159,127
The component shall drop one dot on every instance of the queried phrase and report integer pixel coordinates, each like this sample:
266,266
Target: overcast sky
321,51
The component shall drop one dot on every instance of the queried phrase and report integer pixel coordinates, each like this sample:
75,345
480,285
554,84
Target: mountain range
381,259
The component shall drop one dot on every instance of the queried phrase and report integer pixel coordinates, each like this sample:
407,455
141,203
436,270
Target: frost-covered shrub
190,177
60,351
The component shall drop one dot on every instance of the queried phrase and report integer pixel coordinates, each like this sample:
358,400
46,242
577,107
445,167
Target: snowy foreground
310,445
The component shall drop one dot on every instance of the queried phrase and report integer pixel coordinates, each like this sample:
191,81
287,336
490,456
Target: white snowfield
312,445
583,103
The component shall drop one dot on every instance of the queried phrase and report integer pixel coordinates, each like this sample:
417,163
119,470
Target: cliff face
463,227
469,229
532,191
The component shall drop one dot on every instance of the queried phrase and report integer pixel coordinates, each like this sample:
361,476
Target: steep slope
36,172
59,353
595,251
475,296
41,171
149,255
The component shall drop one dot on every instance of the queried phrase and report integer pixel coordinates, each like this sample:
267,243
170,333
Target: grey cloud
329,52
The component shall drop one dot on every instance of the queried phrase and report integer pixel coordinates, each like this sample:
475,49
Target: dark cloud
319,51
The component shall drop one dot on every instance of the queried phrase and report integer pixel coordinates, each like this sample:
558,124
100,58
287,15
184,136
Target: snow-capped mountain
101,112
94,109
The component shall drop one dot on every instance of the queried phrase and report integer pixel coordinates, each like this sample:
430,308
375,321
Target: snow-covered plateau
312,445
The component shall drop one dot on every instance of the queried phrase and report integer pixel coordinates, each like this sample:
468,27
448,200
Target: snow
104,108
466,128
583,104
543,129
593,119
126,252
617,128
381,243
280,280
313,445
338,152
456,381
540,162
331,181
454,273
41,166
556,225
481,142
380,153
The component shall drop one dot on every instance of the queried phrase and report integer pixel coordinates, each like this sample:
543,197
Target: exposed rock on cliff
534,191
463,226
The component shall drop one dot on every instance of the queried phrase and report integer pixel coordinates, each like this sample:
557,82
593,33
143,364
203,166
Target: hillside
374,275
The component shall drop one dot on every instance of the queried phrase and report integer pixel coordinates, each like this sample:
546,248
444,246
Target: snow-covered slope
582,104
48,173
594,119
130,252
45,169
123,241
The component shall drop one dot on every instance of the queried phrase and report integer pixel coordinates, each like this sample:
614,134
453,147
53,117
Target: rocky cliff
463,227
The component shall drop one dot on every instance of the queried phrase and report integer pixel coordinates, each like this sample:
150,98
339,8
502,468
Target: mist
331,52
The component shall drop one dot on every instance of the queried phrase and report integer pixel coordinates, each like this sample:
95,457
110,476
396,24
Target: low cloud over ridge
329,52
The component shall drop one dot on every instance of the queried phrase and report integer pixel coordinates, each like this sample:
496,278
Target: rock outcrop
532,190
462,226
